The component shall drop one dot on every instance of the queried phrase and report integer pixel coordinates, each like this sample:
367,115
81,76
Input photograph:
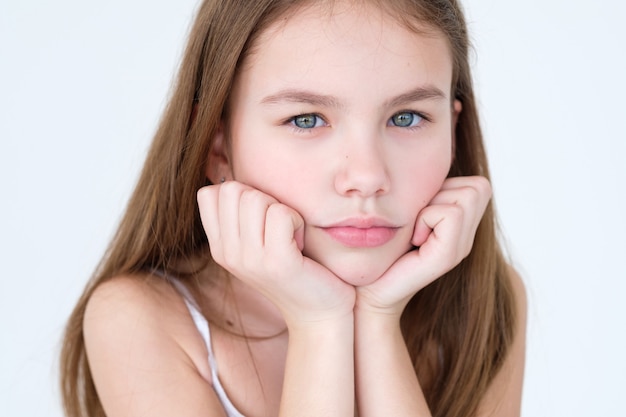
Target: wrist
377,320
368,305
327,324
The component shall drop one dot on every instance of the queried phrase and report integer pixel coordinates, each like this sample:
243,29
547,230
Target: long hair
458,329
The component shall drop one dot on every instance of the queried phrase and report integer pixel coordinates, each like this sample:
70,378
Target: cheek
422,178
281,176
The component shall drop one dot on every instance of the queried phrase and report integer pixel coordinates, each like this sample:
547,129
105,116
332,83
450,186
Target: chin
359,276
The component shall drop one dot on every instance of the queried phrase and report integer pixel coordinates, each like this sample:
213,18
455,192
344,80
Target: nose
363,169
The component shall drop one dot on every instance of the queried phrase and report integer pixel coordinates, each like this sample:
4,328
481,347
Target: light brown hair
458,329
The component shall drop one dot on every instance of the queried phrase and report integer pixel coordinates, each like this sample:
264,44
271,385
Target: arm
386,382
382,360
147,358
319,373
259,241
444,234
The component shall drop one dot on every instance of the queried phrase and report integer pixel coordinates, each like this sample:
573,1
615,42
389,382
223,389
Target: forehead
319,42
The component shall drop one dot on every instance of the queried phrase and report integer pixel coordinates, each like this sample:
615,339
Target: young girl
311,233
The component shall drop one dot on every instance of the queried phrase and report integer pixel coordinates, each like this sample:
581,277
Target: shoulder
141,309
131,296
141,305
143,350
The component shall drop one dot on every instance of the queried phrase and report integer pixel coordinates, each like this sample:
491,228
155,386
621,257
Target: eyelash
421,116
292,121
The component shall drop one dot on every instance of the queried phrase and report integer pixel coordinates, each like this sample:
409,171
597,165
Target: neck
239,308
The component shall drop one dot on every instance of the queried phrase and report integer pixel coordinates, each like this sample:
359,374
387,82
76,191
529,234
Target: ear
457,107
218,163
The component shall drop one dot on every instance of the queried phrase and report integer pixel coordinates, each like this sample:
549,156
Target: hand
444,235
260,241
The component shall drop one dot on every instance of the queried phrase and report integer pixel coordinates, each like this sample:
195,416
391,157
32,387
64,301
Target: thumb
284,224
422,231
298,229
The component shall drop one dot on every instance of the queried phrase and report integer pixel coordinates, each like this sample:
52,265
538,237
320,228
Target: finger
208,206
284,228
433,215
228,211
253,206
468,195
422,232
446,230
472,200
473,193
476,181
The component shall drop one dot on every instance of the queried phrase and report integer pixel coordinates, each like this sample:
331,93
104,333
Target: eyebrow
417,94
322,100
302,96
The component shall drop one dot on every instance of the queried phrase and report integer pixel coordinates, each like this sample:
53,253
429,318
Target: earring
223,180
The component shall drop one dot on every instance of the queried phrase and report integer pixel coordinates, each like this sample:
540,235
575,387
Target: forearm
386,383
319,373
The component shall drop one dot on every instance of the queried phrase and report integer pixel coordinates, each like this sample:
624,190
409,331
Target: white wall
551,82
81,89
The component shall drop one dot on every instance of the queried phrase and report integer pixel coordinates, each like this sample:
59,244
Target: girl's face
347,118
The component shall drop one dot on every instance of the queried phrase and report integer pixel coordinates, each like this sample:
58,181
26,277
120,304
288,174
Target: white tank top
203,328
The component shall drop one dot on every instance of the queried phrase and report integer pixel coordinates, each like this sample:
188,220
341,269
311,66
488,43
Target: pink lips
362,233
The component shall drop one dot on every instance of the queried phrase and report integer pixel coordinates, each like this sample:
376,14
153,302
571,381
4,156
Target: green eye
406,119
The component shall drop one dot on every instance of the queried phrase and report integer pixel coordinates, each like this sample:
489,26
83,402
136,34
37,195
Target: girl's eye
406,119
307,121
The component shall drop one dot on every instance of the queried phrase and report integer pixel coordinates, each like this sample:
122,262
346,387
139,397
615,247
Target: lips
362,233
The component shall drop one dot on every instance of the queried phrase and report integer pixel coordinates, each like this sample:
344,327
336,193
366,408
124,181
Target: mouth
362,233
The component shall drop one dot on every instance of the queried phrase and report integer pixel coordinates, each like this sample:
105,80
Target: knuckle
255,198
229,187
277,211
248,198
203,193
483,186
456,211
251,194
468,194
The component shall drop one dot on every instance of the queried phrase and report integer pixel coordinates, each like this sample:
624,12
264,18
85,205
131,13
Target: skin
356,162
353,76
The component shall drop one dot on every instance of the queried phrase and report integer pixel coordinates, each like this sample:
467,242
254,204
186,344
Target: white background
82,85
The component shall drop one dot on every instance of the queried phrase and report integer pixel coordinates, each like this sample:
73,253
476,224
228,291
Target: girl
340,257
